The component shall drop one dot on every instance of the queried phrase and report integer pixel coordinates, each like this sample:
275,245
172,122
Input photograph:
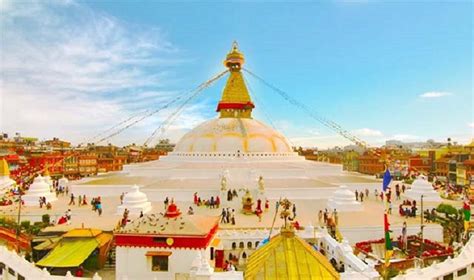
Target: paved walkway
306,210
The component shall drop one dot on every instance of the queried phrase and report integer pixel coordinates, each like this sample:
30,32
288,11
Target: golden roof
287,256
235,90
4,170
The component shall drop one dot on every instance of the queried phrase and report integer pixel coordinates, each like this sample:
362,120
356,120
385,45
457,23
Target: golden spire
4,170
235,101
46,171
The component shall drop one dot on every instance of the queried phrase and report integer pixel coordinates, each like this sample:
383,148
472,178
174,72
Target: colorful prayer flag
387,178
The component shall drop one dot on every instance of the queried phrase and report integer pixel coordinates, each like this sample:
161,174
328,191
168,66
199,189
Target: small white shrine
421,187
63,182
135,201
39,188
344,200
6,182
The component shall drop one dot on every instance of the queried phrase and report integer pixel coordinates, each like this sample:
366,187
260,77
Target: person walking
223,215
320,216
72,202
357,195
99,208
79,200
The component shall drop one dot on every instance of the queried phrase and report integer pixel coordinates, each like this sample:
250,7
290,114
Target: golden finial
234,59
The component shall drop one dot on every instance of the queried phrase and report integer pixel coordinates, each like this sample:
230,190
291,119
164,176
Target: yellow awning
48,244
69,253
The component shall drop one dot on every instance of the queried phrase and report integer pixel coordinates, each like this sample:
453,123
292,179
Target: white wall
131,263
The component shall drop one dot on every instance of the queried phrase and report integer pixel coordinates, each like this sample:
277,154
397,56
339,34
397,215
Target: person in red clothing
80,271
218,201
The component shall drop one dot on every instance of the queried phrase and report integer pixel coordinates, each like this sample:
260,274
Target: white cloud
435,94
471,124
367,132
70,72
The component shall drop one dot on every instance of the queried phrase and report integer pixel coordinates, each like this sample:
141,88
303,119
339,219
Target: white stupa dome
38,189
421,187
343,200
232,135
134,201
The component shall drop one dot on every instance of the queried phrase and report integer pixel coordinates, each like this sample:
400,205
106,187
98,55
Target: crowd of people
228,216
209,203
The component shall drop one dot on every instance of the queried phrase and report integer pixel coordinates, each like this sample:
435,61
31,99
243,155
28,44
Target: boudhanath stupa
39,188
234,143
421,187
6,182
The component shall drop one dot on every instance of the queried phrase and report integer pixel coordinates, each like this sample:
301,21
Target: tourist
397,193
67,190
79,272
190,211
294,210
390,208
367,193
234,194
195,198
357,195
99,208
223,215
84,200
361,197
232,218
68,214
326,216
41,202
403,188
141,213
199,201
267,205
320,216
72,200
376,194
336,217
227,217
166,203
121,198
404,235
229,195
218,201
211,202
49,206
79,200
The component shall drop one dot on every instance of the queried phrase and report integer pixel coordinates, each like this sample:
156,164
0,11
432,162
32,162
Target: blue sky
383,70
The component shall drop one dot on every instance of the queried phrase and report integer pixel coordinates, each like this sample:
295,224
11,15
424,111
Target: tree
452,222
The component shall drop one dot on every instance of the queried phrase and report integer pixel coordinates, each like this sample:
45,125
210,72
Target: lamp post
422,214
18,222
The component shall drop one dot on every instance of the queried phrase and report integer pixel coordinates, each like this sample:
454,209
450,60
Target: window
20,277
159,239
11,271
462,272
241,245
159,263
234,245
249,245
448,277
256,243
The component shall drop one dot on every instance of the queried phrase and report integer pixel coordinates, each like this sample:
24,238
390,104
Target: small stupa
63,182
39,188
135,201
247,203
421,187
5,181
344,200
172,211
